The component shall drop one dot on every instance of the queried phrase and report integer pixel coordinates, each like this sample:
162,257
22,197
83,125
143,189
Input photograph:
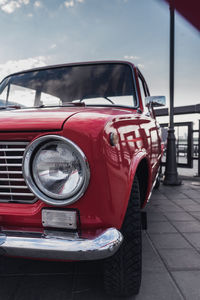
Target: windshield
93,84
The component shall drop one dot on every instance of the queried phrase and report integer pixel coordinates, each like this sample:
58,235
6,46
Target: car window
142,92
3,97
49,100
93,84
21,96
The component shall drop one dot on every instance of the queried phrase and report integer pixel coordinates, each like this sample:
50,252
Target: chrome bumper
64,246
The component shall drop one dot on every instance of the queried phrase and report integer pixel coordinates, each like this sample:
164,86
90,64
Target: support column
171,174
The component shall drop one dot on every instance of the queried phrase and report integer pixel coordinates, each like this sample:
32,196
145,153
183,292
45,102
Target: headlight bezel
27,167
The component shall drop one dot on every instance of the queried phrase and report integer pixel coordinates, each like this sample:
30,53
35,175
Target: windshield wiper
64,104
11,106
90,96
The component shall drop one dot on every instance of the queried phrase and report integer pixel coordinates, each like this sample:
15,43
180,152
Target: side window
50,100
3,97
21,95
142,90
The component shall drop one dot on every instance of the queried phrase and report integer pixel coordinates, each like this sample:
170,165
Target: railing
187,148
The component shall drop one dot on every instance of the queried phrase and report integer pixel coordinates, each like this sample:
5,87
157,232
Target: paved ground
171,258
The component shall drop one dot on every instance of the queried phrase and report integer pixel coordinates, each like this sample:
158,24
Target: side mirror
155,101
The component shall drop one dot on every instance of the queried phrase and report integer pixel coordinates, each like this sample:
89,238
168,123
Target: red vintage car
80,151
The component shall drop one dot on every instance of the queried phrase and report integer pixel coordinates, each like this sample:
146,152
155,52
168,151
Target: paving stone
159,197
184,202
174,194
169,241
170,208
196,214
181,258
192,193
179,216
196,199
158,286
188,226
194,207
188,281
156,217
194,239
151,261
160,227
152,209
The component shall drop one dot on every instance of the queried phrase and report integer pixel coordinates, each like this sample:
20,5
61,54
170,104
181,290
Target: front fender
135,162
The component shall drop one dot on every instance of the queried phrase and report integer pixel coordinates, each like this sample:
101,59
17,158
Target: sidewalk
171,258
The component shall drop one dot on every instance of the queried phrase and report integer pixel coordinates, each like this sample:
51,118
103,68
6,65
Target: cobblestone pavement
171,258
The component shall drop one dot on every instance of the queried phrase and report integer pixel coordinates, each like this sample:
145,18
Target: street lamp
171,174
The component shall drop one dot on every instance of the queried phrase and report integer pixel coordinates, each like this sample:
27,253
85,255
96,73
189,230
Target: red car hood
36,119
49,119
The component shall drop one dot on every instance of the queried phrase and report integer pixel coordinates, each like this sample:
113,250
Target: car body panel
112,167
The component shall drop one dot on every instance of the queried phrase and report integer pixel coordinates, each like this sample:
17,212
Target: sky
38,33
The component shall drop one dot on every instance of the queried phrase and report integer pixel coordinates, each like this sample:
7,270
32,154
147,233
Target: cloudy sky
37,33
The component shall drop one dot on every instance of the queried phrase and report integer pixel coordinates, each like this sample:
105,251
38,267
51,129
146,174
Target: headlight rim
27,168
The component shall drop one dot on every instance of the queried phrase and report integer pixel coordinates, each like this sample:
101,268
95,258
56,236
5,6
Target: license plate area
65,219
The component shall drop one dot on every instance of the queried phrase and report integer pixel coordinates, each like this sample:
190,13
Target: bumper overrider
60,246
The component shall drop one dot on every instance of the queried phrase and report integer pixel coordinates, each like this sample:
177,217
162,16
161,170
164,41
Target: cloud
13,66
72,3
37,4
2,2
69,3
131,57
10,6
141,66
53,46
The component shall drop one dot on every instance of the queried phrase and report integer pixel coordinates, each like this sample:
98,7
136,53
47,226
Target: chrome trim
154,183
64,247
11,157
13,143
12,149
10,172
16,194
12,184
12,179
27,168
11,165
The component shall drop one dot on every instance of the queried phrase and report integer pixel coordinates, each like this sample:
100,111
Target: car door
153,127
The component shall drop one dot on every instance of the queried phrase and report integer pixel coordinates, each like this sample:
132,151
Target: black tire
122,271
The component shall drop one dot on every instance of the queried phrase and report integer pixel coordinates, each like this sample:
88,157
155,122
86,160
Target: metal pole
198,174
171,174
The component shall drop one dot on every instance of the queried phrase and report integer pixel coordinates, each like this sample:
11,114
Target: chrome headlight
56,170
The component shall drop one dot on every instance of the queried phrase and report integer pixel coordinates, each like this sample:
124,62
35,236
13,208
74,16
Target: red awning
189,9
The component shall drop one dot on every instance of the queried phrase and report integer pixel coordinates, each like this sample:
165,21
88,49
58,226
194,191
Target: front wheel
122,271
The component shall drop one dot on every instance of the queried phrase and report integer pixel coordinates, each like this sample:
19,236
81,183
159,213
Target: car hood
48,119
44,119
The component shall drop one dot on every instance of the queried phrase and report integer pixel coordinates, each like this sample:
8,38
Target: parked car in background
80,150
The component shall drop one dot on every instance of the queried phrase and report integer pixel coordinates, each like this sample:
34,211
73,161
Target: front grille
12,185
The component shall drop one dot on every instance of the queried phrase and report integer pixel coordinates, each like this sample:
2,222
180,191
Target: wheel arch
141,167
